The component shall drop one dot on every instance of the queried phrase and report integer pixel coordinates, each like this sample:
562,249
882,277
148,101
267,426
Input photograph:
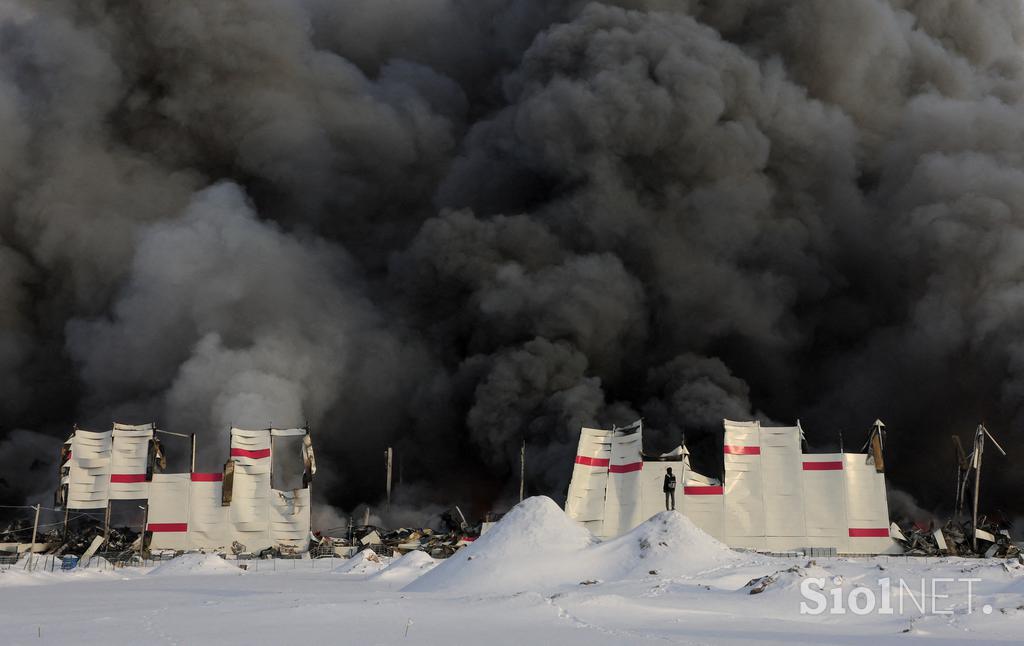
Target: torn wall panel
744,487
250,493
585,500
89,471
289,519
622,511
129,465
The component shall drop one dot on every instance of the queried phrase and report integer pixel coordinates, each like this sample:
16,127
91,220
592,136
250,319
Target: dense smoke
451,226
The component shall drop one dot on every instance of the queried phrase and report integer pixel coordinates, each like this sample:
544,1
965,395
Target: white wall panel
89,471
168,511
129,462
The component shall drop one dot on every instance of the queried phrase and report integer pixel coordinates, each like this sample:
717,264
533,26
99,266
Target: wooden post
145,523
387,460
35,528
106,524
193,468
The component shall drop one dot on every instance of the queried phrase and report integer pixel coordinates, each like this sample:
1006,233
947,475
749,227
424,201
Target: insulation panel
130,461
207,517
89,470
168,511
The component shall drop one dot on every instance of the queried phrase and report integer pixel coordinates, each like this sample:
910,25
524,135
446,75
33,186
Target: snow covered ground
536,578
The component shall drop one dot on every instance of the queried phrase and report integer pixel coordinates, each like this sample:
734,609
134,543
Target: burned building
773,496
248,507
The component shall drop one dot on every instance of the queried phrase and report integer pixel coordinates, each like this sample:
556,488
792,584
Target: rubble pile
954,539
396,542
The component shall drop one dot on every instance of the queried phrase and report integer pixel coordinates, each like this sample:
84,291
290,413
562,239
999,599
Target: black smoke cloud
454,226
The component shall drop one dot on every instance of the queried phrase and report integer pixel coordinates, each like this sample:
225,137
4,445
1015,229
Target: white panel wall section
585,500
288,432
774,497
744,487
89,471
781,454
867,511
250,494
290,509
207,517
168,511
622,497
129,461
289,519
704,504
824,488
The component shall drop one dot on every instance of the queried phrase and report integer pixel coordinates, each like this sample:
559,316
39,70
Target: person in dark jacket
670,490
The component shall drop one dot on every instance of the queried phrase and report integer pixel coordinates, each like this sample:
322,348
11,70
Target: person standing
670,490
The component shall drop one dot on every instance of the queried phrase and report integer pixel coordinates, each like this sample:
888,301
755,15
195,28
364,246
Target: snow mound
187,564
536,547
668,544
788,580
535,544
365,562
407,568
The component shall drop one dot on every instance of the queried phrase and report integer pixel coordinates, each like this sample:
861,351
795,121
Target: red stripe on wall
124,478
823,466
626,468
207,477
167,527
246,453
591,462
869,532
741,450
702,491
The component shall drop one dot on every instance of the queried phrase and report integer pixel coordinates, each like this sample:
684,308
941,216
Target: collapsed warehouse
259,502
772,495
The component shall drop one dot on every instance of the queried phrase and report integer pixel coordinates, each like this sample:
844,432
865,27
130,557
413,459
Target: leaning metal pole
522,470
979,446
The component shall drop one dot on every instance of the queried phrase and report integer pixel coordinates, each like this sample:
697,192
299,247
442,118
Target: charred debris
975,534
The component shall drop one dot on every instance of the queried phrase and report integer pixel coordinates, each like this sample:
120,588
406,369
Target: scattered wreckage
437,543
255,507
954,539
992,538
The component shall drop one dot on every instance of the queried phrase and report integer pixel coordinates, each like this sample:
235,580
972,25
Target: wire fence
109,562
100,563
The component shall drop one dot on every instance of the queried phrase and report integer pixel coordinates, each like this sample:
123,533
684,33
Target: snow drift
669,544
536,546
187,564
365,562
406,569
